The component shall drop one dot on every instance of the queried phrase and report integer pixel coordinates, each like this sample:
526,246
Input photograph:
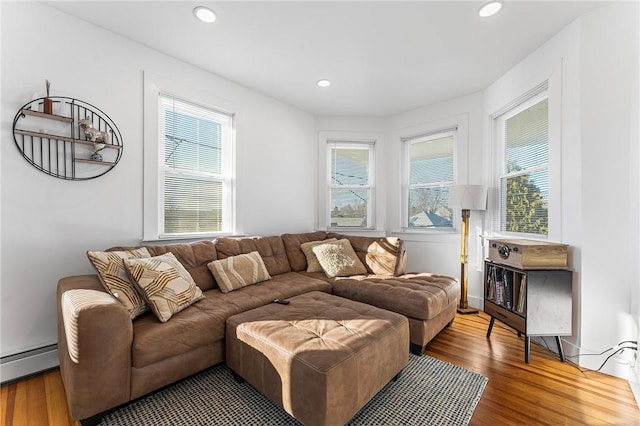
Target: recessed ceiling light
490,9
323,83
204,14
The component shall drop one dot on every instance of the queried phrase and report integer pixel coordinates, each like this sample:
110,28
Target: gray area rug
429,392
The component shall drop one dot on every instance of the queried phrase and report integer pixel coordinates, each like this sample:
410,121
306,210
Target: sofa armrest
95,335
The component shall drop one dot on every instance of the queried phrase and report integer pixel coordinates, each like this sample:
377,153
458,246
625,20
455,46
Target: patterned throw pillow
114,278
165,283
239,271
312,261
338,259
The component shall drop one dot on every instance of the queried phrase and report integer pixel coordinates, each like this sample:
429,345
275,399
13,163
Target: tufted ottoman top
314,323
422,296
321,357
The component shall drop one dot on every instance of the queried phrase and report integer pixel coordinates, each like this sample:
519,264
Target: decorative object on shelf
92,134
466,198
47,103
96,156
79,142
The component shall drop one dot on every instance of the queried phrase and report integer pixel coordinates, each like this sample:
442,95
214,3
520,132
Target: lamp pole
464,304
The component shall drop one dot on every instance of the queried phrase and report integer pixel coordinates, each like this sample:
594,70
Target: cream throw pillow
338,259
166,285
239,271
312,261
114,278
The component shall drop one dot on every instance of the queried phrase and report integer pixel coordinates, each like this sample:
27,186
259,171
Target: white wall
48,223
609,41
592,67
439,252
558,61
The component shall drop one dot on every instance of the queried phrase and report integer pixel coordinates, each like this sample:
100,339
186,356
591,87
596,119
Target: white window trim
154,86
459,123
325,138
552,89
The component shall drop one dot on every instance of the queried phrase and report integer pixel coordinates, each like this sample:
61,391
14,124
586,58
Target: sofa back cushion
381,255
271,250
292,243
193,256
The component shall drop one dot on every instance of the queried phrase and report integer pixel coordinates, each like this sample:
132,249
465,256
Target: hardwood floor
544,392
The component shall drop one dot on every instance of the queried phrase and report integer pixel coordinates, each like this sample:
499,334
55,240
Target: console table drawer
509,318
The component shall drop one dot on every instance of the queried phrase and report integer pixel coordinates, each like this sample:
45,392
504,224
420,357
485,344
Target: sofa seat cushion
281,286
421,296
203,323
271,250
189,329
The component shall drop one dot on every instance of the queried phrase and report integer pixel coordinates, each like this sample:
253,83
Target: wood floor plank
37,401
543,392
55,398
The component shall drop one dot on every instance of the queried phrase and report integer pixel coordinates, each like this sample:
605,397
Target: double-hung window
429,165
350,184
195,145
522,135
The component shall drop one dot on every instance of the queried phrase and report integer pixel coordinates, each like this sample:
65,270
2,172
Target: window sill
432,235
191,237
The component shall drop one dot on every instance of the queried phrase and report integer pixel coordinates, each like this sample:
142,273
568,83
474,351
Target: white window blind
524,178
194,175
430,164
350,184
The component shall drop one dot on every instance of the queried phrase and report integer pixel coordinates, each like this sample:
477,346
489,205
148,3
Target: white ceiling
382,57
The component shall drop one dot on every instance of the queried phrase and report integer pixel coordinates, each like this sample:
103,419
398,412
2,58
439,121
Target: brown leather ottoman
321,357
428,300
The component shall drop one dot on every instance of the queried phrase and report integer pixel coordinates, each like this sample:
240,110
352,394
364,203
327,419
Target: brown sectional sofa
118,360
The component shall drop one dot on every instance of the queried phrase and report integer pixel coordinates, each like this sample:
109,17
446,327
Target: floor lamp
466,198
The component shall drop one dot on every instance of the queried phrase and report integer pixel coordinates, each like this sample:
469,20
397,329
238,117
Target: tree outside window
524,183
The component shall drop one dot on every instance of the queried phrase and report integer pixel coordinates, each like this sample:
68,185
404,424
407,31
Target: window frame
373,141
226,122
370,187
527,100
407,141
153,191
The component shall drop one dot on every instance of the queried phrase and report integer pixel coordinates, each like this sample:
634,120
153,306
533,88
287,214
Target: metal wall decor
72,140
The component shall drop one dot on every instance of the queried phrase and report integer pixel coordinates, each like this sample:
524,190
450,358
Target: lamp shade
468,197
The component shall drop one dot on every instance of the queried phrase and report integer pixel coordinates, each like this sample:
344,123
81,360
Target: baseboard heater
16,366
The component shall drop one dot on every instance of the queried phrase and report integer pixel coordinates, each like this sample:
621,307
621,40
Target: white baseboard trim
23,364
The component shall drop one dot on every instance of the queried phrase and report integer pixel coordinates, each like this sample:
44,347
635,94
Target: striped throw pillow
114,278
166,285
239,271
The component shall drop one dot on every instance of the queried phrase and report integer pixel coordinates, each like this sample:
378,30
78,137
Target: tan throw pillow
236,272
165,283
312,261
338,259
114,278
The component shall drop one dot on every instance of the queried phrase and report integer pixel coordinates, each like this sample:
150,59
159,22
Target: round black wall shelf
67,138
